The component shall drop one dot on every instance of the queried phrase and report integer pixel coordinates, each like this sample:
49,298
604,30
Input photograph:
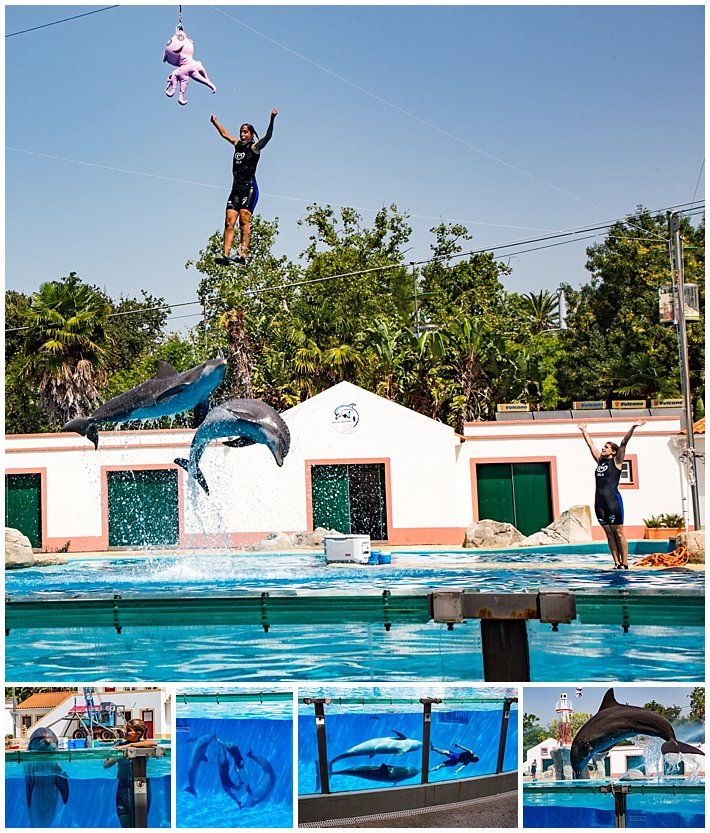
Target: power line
570,233
63,20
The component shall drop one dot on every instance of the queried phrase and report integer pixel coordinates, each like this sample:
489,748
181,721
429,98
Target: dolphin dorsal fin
165,369
609,700
398,735
383,768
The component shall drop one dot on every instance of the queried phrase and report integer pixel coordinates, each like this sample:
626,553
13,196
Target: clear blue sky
541,701
515,121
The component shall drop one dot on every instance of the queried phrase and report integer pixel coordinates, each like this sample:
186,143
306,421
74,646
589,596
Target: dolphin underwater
45,781
250,421
265,785
397,744
167,393
223,768
384,773
199,755
614,722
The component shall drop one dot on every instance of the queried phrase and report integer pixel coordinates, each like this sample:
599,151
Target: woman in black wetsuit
245,192
608,506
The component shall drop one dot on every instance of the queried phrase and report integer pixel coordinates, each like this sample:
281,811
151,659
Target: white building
59,709
358,463
619,761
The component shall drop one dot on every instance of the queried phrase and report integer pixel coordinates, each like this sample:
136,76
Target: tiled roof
45,699
699,426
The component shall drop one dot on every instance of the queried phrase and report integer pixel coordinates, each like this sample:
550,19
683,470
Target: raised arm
222,132
595,451
627,436
260,144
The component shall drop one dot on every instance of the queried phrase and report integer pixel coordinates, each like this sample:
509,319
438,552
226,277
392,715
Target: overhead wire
57,22
436,258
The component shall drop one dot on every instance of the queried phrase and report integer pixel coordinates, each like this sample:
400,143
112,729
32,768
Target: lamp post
679,296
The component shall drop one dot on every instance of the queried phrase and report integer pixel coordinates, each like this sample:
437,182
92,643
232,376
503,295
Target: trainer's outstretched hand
274,113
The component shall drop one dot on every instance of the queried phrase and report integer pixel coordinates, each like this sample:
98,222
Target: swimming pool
260,738
469,721
91,791
228,617
565,804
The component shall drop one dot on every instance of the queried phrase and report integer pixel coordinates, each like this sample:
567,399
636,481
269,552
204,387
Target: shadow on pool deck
491,811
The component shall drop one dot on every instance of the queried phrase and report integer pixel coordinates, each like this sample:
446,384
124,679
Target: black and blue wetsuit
245,191
608,505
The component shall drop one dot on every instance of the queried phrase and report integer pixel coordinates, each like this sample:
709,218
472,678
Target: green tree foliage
614,333
697,704
671,713
66,349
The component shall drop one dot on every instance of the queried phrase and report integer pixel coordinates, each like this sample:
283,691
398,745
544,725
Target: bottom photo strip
377,755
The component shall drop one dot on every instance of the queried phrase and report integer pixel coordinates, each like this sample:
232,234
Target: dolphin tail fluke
678,746
196,473
84,426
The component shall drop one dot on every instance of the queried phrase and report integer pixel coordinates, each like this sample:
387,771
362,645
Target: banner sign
589,406
628,403
666,403
513,407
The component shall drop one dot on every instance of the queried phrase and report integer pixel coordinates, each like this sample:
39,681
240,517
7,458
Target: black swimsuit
245,191
608,505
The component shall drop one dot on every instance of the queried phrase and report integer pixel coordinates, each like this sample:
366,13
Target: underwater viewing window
369,743
234,759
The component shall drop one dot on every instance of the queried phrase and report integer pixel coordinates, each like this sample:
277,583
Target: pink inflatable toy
178,53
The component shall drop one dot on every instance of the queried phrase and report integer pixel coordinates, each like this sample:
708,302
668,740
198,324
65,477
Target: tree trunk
240,353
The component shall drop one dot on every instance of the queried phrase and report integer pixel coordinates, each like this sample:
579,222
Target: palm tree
66,349
542,309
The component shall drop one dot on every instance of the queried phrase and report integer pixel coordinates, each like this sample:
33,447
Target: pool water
475,726
347,651
268,739
92,793
564,808
235,573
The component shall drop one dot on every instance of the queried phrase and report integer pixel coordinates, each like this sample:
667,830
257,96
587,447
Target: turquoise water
475,726
426,651
265,744
92,793
564,808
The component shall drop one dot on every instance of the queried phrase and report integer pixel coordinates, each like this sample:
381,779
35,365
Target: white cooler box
348,549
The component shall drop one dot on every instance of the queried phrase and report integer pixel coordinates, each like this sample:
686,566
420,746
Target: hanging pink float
178,53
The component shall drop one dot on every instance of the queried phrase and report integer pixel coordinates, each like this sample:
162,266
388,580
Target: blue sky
515,121
541,700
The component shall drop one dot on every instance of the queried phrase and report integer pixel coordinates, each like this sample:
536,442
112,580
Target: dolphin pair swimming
396,744
614,722
166,394
248,421
229,758
45,781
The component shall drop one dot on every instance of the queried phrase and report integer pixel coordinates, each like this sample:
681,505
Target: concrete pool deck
461,556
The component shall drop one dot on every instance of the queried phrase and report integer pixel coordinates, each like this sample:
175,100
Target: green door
368,507
23,505
143,508
515,493
331,498
350,498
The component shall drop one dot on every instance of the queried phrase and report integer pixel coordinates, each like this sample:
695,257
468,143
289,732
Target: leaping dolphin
250,421
199,755
614,722
397,744
384,773
45,781
167,393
